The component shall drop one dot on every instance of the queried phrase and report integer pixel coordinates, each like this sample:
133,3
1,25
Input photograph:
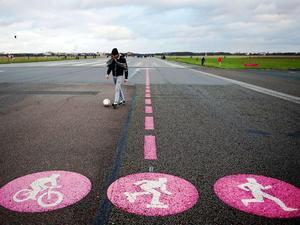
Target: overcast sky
150,25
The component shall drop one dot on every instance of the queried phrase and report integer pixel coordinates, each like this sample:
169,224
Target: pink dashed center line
149,123
150,147
149,140
148,109
148,101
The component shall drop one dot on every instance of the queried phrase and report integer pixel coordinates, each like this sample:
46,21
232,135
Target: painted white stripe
266,91
170,64
60,64
84,64
133,74
174,65
99,64
22,65
38,64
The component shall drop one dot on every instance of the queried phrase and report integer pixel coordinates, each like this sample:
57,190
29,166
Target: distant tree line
94,55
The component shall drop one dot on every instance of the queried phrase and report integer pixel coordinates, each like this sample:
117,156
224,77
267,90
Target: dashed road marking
150,152
148,101
149,123
148,109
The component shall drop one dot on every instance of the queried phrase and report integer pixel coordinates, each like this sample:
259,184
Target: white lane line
60,64
38,64
99,64
15,65
49,64
134,73
174,65
84,64
136,70
266,91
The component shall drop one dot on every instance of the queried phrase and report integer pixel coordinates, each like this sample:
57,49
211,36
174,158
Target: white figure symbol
149,188
259,195
38,186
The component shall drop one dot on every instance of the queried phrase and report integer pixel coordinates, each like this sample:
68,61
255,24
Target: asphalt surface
206,128
285,81
61,127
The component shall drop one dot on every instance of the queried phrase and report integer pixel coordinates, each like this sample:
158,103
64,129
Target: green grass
5,60
237,62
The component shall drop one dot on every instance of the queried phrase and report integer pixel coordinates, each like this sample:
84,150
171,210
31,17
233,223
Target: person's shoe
114,105
130,197
122,103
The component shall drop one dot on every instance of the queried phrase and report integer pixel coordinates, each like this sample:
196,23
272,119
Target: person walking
117,65
202,61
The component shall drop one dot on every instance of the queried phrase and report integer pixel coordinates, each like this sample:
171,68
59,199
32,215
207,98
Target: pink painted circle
259,195
44,191
152,194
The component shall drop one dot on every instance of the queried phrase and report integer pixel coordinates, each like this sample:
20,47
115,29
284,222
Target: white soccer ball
106,102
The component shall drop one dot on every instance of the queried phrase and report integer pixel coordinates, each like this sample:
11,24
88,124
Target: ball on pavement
106,102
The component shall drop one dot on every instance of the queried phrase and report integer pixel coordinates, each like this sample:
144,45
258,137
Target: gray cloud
157,25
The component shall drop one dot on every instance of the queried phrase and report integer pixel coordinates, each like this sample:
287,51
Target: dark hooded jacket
117,66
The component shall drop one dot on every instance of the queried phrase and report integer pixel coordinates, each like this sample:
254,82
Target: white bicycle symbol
26,194
44,200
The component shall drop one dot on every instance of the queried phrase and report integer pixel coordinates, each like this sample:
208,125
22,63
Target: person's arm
140,182
126,71
121,62
243,187
110,61
164,189
109,67
266,187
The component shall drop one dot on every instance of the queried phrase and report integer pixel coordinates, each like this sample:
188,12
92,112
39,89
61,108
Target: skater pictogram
152,194
151,187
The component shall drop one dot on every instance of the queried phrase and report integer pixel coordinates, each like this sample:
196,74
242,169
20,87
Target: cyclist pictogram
44,191
48,198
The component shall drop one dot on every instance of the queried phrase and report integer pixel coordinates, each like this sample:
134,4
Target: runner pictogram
263,196
152,194
44,191
259,195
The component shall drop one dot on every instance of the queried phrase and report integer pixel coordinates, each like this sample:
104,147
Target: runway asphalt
205,129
